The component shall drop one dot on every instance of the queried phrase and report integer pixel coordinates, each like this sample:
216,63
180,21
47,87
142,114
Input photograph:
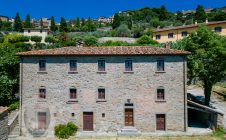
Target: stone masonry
138,86
3,123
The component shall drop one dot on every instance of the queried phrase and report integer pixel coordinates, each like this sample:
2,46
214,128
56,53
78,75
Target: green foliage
1,24
208,59
116,21
65,131
18,38
18,23
90,41
36,39
6,26
1,39
50,39
146,40
14,106
115,43
53,25
123,31
63,25
200,14
28,21
219,133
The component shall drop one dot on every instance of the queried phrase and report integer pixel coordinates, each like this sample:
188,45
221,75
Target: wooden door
42,121
88,121
160,122
129,117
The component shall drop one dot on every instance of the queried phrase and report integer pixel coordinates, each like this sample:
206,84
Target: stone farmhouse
42,32
103,90
173,34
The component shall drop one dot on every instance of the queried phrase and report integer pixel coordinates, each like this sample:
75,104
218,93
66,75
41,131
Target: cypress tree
78,23
63,25
83,22
200,14
1,24
18,23
53,25
28,21
116,21
41,23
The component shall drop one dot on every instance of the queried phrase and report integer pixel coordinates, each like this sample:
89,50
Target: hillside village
99,77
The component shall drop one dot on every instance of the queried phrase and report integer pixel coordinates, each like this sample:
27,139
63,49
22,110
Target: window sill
128,72
101,100
72,101
160,101
42,100
160,72
72,72
104,72
42,72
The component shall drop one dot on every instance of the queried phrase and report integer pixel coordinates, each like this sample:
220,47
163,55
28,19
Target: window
42,65
73,65
73,93
101,93
42,120
218,29
184,33
160,65
128,65
101,65
160,122
103,115
160,93
158,37
170,35
72,114
29,31
40,31
42,93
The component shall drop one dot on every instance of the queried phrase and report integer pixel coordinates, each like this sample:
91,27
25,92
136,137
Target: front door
88,121
42,120
129,117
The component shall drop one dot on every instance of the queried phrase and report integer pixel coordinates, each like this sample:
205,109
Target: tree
180,16
208,59
163,14
63,25
146,40
1,24
116,21
77,23
28,21
123,31
200,14
53,25
90,41
18,23
83,22
41,23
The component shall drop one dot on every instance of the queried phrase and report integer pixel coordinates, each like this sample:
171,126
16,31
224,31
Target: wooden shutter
160,122
88,121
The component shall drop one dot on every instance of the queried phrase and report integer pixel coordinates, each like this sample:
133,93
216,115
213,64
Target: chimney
207,20
167,45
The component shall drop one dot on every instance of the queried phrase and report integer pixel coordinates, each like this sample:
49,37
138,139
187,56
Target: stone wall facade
3,123
137,87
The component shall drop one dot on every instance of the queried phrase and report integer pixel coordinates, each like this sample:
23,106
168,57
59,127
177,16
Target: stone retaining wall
3,123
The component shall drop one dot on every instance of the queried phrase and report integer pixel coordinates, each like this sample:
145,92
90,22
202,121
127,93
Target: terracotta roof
119,50
188,26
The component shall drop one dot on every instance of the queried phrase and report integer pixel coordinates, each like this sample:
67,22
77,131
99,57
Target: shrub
90,41
115,43
14,106
146,40
36,39
50,39
18,38
123,31
1,39
65,131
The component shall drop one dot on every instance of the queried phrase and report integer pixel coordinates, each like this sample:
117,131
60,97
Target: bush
18,38
123,31
14,106
1,39
146,40
36,39
90,41
50,39
115,43
65,131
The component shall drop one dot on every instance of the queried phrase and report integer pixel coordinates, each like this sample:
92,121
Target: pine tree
18,23
63,25
53,25
28,21
200,14
116,21
163,14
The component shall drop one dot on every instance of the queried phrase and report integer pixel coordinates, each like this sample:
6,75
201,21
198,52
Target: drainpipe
185,94
21,89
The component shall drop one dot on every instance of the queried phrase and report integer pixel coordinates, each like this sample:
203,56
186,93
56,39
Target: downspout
21,90
185,94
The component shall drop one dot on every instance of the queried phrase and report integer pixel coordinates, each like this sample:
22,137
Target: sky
71,9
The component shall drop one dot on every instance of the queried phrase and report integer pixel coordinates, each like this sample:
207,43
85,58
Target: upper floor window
73,93
42,65
218,29
128,65
184,33
158,37
160,65
170,35
101,93
73,65
42,93
101,65
160,93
